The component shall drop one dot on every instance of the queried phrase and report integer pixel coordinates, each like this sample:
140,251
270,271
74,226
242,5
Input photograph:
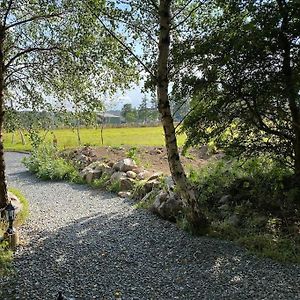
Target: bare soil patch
153,158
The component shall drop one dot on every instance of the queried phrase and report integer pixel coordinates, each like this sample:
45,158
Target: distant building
109,118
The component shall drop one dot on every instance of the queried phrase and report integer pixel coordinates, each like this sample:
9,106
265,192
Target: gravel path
93,245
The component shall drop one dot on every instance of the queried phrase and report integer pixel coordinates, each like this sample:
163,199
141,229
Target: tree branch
189,14
40,17
29,50
154,4
182,9
127,48
7,12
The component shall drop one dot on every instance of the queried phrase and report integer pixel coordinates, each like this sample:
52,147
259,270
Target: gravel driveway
93,245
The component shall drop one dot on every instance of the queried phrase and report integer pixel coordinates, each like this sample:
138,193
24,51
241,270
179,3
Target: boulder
126,184
155,175
124,194
143,175
131,174
97,168
92,174
168,206
151,184
117,176
169,183
124,165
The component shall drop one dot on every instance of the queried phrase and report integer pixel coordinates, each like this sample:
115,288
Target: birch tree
153,24
44,47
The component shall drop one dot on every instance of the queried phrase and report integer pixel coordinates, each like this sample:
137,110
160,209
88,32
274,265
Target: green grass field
67,138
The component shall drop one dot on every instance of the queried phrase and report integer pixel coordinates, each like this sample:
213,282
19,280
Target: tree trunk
101,133
22,137
3,186
13,138
196,218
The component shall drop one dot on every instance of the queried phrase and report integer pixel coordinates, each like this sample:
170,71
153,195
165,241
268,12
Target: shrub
261,209
46,164
5,258
260,181
101,182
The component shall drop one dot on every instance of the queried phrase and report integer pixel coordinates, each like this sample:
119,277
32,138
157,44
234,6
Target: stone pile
137,183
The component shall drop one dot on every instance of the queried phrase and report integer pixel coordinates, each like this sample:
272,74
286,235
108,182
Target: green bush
101,182
5,258
259,181
262,206
46,164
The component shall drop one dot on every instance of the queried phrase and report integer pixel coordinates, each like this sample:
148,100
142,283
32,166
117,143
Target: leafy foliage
5,258
239,68
46,164
253,202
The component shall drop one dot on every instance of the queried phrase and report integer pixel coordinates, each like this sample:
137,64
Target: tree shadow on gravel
129,254
138,256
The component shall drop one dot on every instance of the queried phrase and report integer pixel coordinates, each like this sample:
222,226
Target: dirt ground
153,159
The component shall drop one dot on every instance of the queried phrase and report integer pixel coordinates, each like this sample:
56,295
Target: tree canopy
240,66
53,53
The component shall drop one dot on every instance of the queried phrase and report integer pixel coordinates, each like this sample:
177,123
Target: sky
133,96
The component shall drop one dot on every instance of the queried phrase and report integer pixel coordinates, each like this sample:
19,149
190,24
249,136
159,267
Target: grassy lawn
67,138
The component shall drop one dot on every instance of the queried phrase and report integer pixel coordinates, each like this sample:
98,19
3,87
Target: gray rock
124,165
166,205
225,199
131,174
169,183
151,184
155,175
117,176
143,175
93,174
126,184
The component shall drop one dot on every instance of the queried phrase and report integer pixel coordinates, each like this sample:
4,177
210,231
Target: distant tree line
147,112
